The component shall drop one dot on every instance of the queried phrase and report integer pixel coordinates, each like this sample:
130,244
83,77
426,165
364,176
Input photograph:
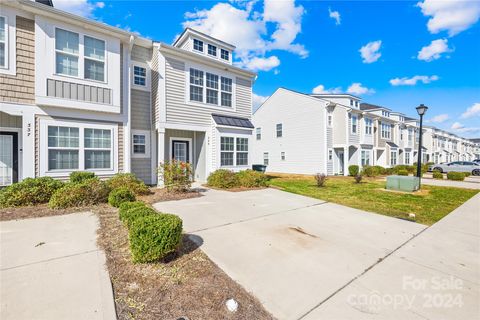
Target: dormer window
197,45
225,54
212,50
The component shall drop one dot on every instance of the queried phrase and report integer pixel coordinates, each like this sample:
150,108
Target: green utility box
403,183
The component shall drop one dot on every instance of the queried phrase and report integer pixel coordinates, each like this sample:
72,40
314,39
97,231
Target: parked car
457,166
476,160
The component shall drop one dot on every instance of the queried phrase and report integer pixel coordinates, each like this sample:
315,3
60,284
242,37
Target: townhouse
311,133
76,94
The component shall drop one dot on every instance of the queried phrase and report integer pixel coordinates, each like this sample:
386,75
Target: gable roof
201,34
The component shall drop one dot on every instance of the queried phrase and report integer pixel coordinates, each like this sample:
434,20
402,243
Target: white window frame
266,161
393,152
147,86
45,123
235,136
368,126
282,155
279,131
190,148
221,54
365,158
6,43
330,154
81,55
356,124
407,158
203,45
258,133
329,120
10,67
386,130
208,50
146,134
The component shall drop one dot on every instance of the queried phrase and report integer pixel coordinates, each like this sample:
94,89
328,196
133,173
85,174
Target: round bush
251,179
128,217
467,174
129,205
152,237
457,176
353,170
30,191
402,172
89,192
119,196
129,181
437,175
81,176
223,178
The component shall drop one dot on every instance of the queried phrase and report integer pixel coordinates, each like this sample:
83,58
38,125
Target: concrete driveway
290,251
51,268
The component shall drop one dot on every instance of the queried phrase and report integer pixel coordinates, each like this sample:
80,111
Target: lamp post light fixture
421,110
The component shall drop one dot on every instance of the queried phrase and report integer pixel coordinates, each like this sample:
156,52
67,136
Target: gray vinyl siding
142,168
141,111
381,143
178,111
339,125
353,139
9,121
141,54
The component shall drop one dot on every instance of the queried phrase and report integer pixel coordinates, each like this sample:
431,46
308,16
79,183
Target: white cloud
371,51
247,29
82,8
335,15
262,64
434,50
472,111
405,81
257,100
457,126
320,89
453,16
357,88
439,118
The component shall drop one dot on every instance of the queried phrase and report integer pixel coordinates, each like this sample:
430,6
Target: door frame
190,153
15,153
341,166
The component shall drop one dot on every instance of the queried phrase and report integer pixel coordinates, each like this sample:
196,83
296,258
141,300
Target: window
407,158
226,87
67,53
279,128
282,156
227,148
63,148
224,54
97,148
356,103
393,158
385,113
242,151
3,41
368,126
386,130
410,135
212,50
259,133
351,102
354,124
330,155
94,63
139,76
265,158
196,85
329,120
139,144
365,158
212,88
197,45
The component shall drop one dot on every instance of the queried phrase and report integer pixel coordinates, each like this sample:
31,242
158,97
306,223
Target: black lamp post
421,109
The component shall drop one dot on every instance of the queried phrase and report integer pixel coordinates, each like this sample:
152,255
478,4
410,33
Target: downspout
128,134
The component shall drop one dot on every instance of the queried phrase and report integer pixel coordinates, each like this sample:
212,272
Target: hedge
152,237
223,178
128,217
81,176
251,179
89,192
457,176
402,172
129,181
119,196
437,175
353,170
30,191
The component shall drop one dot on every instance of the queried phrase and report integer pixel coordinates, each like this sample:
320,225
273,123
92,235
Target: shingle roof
369,106
223,120
46,2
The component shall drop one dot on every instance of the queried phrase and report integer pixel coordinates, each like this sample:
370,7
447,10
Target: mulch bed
38,211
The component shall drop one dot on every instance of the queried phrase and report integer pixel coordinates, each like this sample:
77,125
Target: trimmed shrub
467,174
223,178
89,192
129,181
353,170
373,171
402,172
176,175
380,170
409,169
129,216
81,176
125,206
457,176
152,237
30,191
358,178
251,179
437,175
320,178
119,196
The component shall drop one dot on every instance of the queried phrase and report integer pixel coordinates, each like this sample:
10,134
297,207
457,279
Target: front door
8,158
340,162
180,150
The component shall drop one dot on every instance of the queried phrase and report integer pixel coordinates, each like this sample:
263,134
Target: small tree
321,178
358,178
176,175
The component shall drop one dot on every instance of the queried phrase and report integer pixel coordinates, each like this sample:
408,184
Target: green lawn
429,205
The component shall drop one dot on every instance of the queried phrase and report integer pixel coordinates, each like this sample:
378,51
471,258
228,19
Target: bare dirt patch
38,211
161,194
186,284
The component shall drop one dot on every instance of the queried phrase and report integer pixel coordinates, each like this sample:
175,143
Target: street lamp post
421,109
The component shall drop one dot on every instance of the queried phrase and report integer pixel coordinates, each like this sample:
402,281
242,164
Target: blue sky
413,52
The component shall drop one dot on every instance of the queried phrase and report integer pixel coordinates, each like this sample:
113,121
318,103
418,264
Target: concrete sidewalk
51,268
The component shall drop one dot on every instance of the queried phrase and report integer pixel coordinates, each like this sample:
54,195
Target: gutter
127,138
